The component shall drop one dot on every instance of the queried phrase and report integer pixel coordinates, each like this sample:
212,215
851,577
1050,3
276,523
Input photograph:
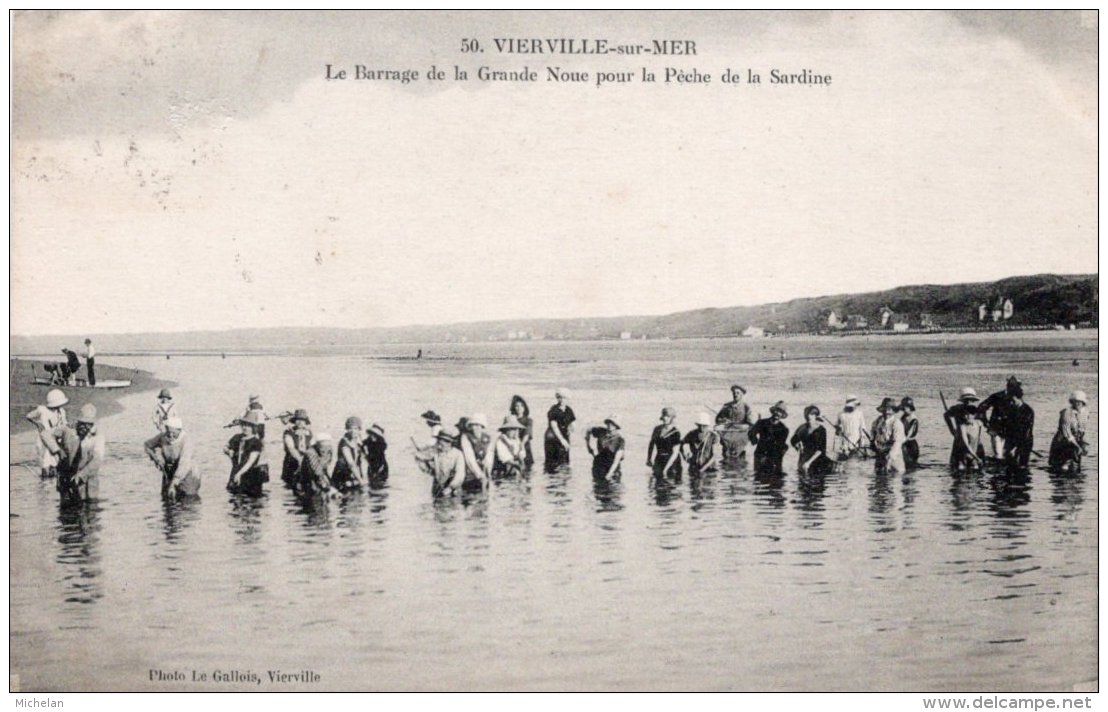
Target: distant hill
1036,300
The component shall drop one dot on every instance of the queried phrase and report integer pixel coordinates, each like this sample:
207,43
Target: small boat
80,383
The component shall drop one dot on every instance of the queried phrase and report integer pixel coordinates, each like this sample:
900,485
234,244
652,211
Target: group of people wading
466,457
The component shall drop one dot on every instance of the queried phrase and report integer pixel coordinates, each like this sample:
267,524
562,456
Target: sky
195,170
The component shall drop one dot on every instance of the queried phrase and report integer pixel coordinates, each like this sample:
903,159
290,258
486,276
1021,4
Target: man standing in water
172,453
995,411
80,452
1019,432
734,421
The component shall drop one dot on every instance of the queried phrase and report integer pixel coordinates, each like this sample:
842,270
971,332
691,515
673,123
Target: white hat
56,399
174,422
853,399
321,438
704,419
1079,396
479,419
968,394
563,392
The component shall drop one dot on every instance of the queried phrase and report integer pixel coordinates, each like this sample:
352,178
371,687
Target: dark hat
253,418
301,414
779,407
431,417
811,409
907,402
375,428
447,435
887,404
668,412
164,393
1016,391
737,387
611,420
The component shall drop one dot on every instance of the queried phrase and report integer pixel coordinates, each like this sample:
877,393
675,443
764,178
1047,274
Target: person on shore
72,365
1019,433
850,430
522,413
968,452
174,456
559,427
248,471
771,441
376,463
47,418
700,447
888,439
314,477
1069,446
165,409
80,451
733,422
90,362
296,440
663,454
448,469
911,432
810,441
995,411
477,450
349,473
606,445
509,454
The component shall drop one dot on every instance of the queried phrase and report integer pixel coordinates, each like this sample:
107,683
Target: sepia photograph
554,351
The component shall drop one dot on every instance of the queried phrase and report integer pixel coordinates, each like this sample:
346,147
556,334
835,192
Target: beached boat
80,383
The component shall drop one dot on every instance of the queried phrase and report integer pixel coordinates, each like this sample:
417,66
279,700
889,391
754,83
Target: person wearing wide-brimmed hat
559,428
476,443
967,454
955,414
46,418
733,422
1069,446
80,452
349,473
911,432
888,439
509,455
700,447
606,444
165,409
771,441
376,463
314,477
173,454
663,454
248,471
448,469
296,440
810,441
850,430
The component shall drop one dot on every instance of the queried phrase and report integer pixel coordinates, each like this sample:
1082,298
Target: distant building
926,321
999,308
754,332
885,315
834,321
900,326
857,321
625,335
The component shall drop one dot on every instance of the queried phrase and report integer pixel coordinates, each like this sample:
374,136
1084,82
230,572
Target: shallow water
548,582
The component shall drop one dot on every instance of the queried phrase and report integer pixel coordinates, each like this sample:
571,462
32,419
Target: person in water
1019,433
559,427
164,410
376,463
476,446
248,471
606,445
47,418
425,452
911,431
850,430
255,404
810,441
995,412
349,473
771,441
80,451
1069,446
663,454
509,455
448,469
888,439
968,452
734,421
296,440
173,454
700,447
522,413
314,477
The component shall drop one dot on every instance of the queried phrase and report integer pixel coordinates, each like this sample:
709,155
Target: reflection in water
963,488
665,491
880,497
79,554
246,517
1067,493
607,494
178,515
1011,492
768,490
810,491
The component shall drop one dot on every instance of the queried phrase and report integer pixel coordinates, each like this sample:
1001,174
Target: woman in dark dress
297,439
248,472
523,414
664,452
376,463
911,432
559,427
606,445
810,440
771,439
349,472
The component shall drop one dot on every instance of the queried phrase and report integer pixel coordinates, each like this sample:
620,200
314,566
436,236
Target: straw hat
561,393
1080,397
968,394
887,404
87,414
321,438
704,419
301,414
510,423
431,417
478,419
447,434
174,422
353,422
853,400
375,428
251,418
164,393
56,399
779,407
